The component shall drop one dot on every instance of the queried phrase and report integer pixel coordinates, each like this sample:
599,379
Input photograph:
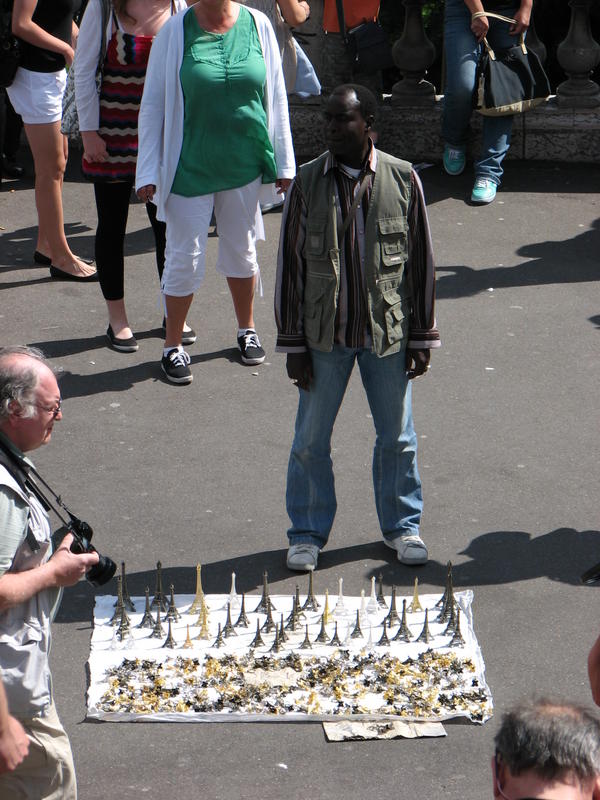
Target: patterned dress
120,97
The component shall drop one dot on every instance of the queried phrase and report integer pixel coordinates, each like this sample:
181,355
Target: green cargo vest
386,252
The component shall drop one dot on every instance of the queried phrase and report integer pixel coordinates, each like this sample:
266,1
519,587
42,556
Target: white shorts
239,225
37,96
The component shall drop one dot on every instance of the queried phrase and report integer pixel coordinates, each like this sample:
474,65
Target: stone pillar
413,54
578,54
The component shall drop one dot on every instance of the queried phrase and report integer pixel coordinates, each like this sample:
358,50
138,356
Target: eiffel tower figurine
283,637
276,646
188,642
119,606
403,633
159,595
444,598
425,635
357,633
157,630
322,635
172,613
242,620
169,641
451,626
202,614
393,618
234,598
415,605
219,641
340,606
326,612
306,644
124,625
373,605
269,625
258,640
228,630
380,596
204,631
127,601
147,621
292,621
198,600
384,641
335,639
262,607
299,613
311,603
457,640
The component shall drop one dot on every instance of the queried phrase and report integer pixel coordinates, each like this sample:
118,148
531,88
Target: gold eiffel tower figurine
415,605
198,600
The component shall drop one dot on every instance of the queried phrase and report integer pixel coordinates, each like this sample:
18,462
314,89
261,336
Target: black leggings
112,205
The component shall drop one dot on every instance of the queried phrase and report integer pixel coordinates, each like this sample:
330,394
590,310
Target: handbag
70,120
508,81
367,44
9,46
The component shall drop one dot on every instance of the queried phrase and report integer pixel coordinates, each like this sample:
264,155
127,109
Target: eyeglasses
54,410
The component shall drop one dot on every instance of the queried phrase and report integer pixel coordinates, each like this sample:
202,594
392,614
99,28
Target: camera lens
101,572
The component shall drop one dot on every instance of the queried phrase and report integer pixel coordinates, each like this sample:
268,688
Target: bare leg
242,294
49,148
177,310
117,318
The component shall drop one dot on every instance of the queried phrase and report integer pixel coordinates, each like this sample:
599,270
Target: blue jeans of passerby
462,55
310,496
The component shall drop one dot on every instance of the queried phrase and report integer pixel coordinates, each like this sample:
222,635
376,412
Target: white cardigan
160,123
86,62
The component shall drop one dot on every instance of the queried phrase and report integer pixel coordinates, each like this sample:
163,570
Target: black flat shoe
61,275
40,258
122,345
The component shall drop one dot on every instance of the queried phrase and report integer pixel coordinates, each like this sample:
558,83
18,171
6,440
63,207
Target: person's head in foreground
547,751
349,114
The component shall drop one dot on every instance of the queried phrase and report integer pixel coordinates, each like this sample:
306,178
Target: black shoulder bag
367,44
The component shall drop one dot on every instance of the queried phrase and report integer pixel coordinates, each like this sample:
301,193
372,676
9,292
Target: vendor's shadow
498,557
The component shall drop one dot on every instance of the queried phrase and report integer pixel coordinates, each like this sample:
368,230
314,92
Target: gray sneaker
411,549
303,557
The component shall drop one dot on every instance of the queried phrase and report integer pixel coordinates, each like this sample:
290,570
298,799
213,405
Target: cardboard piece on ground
357,731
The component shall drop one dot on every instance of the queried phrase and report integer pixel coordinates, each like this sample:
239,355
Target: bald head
21,368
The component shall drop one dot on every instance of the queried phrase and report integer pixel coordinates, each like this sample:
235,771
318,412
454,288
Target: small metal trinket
172,612
258,640
451,626
228,630
384,641
120,606
198,600
219,641
306,644
292,620
373,605
415,605
242,620
269,625
340,607
403,633
157,630
127,601
425,635
380,596
310,603
447,600
299,613
457,640
283,637
363,615
335,639
357,633
124,625
147,620
276,646
393,618
443,599
234,598
262,607
322,635
169,641
204,630
326,612
159,595
188,642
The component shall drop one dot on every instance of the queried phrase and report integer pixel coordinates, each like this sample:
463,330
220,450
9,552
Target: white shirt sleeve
85,65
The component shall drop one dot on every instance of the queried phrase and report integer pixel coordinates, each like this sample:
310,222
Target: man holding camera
31,578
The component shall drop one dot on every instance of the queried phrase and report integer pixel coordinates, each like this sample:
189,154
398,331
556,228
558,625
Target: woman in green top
213,130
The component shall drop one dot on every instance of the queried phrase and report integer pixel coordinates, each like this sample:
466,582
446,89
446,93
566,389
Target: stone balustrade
565,128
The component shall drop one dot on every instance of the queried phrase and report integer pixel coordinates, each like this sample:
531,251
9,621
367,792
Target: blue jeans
310,496
462,55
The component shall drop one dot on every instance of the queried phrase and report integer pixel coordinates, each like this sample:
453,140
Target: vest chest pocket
315,243
393,241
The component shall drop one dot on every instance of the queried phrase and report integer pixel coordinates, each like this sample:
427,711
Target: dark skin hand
299,366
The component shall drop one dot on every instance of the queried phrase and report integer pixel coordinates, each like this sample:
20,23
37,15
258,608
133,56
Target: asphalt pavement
507,420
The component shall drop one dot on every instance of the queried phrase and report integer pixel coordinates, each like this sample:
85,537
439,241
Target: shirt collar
20,457
371,161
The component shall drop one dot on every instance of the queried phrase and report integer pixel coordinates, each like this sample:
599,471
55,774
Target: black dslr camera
82,533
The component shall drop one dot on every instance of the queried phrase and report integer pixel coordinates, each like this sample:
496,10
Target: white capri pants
239,225
37,96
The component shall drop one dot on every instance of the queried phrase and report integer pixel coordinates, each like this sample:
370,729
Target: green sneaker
484,191
454,160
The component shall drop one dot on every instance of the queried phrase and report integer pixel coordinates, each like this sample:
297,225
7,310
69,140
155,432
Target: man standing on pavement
355,282
31,577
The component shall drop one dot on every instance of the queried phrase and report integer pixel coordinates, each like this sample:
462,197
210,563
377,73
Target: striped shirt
352,324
